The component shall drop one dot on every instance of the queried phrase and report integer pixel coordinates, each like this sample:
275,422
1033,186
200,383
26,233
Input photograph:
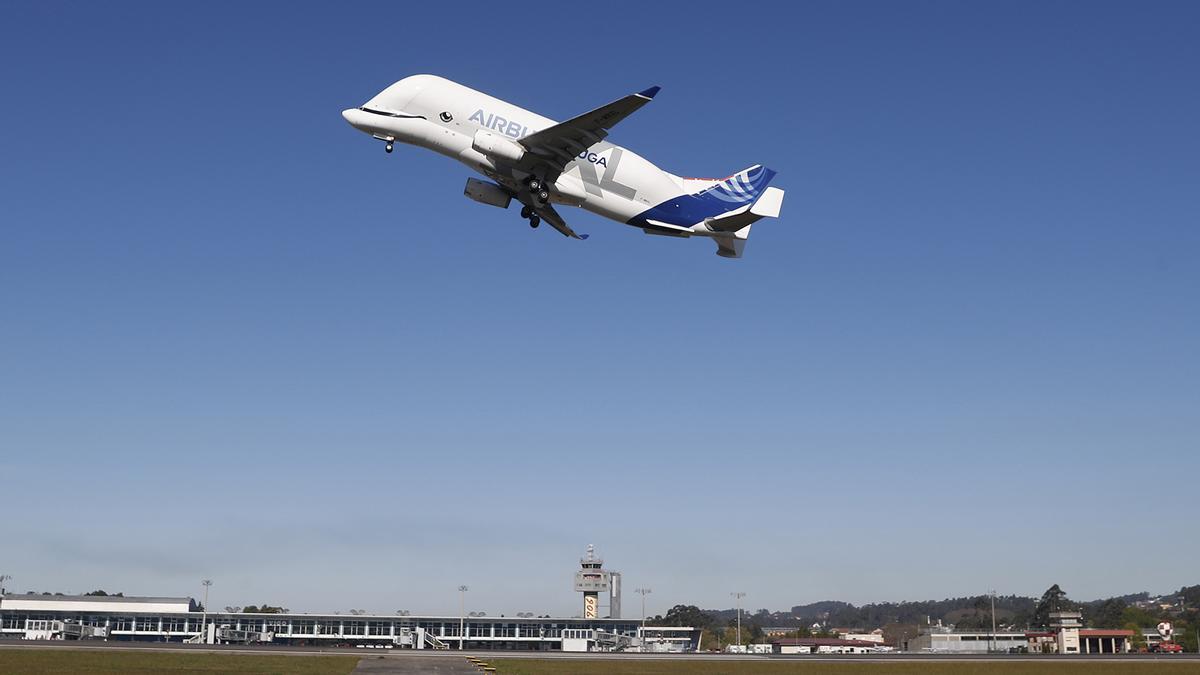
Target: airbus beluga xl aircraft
541,163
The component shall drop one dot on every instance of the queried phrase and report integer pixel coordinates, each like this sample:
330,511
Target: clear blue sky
239,341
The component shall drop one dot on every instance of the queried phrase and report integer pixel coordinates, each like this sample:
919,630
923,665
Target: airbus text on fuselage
542,163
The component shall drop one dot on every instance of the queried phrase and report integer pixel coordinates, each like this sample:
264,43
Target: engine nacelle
496,146
487,193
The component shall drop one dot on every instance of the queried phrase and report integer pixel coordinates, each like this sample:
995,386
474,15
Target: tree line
902,620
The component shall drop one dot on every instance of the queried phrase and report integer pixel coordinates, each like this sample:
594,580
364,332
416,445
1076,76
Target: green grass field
88,661
686,667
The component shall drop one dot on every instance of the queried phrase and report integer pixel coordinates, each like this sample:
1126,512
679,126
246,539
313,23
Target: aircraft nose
348,115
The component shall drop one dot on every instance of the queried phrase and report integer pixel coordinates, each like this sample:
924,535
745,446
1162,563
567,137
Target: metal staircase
433,641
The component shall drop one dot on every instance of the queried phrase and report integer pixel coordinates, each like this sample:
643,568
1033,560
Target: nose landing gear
388,148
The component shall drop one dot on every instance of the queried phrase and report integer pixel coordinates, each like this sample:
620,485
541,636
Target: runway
429,656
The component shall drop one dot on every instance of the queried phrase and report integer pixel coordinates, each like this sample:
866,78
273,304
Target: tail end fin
732,229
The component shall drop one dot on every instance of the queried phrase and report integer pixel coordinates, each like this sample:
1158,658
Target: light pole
204,623
739,595
643,592
992,593
462,609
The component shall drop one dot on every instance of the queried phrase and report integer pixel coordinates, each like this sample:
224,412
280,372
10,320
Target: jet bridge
230,635
50,629
226,634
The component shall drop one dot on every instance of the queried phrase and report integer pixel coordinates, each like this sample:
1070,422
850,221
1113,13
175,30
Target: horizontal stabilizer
732,228
667,228
732,245
769,204
665,233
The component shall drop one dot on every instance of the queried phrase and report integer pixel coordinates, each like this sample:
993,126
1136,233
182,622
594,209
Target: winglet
649,93
584,236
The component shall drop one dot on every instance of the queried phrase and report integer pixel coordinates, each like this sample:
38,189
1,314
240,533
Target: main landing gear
388,148
532,217
537,188
541,195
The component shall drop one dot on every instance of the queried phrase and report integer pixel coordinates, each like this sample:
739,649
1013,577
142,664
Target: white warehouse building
967,643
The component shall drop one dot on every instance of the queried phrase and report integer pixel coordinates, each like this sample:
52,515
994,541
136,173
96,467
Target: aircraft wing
547,213
554,147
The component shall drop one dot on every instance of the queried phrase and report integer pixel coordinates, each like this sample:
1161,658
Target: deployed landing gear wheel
526,212
534,221
388,148
538,189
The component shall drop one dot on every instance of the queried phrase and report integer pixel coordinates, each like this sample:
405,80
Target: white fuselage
444,116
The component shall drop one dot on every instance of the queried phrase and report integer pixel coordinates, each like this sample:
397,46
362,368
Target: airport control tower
592,580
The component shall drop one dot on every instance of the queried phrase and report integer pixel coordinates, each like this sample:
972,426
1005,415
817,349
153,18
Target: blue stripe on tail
734,192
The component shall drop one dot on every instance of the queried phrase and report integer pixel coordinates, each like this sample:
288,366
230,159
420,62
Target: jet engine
497,147
487,193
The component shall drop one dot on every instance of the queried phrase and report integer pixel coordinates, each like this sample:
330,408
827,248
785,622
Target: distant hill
818,610
969,611
965,613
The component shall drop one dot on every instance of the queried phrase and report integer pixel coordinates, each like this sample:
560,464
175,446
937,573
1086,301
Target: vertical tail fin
733,191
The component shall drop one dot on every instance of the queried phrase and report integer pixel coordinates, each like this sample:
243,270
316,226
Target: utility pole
992,593
462,609
204,623
643,592
739,595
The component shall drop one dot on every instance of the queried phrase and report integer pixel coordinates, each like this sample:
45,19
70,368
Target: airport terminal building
182,620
